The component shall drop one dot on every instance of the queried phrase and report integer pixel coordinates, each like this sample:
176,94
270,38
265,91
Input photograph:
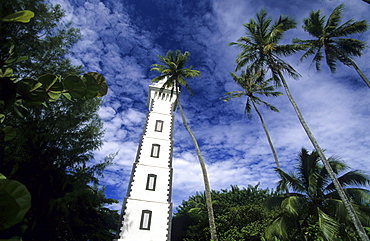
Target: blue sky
121,39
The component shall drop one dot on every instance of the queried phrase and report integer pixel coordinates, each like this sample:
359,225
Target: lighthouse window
159,125
150,184
146,216
155,150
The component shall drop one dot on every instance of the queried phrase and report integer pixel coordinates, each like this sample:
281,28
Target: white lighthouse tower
147,209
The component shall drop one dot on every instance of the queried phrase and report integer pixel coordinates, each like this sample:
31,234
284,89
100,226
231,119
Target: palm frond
359,196
274,202
322,206
158,78
174,71
280,226
331,57
355,178
277,30
269,106
294,205
350,47
329,227
233,94
248,108
363,213
330,39
334,19
338,211
336,208
288,49
289,180
350,27
314,24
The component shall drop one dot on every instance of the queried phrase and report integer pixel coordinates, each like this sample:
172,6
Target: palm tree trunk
363,77
211,219
351,212
269,140
267,135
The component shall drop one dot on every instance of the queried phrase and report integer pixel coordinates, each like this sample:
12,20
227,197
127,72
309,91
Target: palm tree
260,50
173,71
313,210
254,83
331,40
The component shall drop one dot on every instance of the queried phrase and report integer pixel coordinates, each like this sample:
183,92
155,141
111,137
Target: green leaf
10,133
2,176
15,201
52,85
75,86
101,82
19,108
68,96
92,86
21,16
48,80
8,73
31,91
2,118
53,96
16,60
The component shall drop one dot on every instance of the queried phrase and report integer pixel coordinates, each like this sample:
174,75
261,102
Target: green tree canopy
51,155
51,148
254,85
45,40
331,40
239,213
313,209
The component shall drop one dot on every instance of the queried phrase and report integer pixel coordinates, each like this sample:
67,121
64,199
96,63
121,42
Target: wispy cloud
122,39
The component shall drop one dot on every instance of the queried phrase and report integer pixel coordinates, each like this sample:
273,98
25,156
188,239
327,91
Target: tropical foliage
313,210
47,153
52,155
19,93
45,40
239,213
331,40
173,72
254,84
260,49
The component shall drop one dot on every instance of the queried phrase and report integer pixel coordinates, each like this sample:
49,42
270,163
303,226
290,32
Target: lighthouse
147,209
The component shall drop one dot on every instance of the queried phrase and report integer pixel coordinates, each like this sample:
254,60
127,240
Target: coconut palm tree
313,210
253,83
173,72
331,41
260,49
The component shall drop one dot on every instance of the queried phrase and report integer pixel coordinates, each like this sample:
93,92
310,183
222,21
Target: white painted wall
158,201
138,189
159,223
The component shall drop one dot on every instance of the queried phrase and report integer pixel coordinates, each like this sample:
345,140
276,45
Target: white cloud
122,40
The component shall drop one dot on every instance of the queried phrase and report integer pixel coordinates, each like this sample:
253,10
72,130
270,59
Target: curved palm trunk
267,135
363,77
211,219
351,212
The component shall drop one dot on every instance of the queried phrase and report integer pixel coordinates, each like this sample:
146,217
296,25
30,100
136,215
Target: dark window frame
153,153
158,126
148,182
145,226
